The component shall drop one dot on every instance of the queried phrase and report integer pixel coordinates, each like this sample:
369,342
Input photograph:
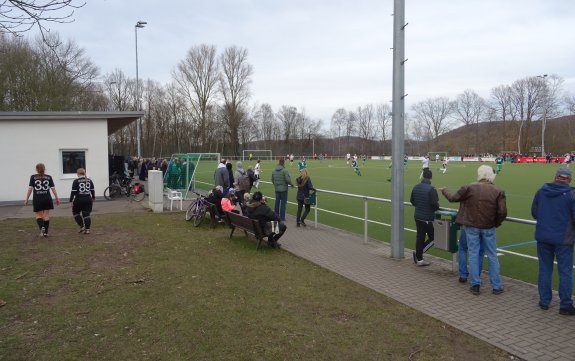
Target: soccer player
498,164
444,165
348,158
405,159
41,184
291,159
251,155
302,164
355,167
82,197
257,171
424,165
363,159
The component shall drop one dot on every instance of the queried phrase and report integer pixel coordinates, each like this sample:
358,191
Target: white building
63,141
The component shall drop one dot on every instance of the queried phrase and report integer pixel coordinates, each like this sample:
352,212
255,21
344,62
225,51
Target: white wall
25,143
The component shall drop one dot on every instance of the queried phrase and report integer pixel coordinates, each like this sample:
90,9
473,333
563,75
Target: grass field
520,182
150,286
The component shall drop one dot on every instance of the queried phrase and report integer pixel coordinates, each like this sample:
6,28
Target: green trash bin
445,230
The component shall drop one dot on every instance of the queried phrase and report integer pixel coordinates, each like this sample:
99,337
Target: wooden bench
248,225
215,215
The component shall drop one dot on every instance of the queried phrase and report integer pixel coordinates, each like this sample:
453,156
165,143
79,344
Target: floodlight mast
398,130
139,24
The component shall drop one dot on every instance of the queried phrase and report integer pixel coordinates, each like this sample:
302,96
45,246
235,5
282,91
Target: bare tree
17,17
570,103
433,113
338,121
502,104
383,118
197,77
365,124
287,115
529,95
469,109
234,87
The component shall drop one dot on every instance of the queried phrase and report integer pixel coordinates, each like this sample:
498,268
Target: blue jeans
462,256
546,253
280,205
478,238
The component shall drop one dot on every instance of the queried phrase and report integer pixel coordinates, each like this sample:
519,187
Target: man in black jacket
424,198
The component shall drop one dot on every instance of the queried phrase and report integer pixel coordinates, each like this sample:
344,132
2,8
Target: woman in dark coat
304,186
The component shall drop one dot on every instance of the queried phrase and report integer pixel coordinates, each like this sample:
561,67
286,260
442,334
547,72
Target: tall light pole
543,124
139,24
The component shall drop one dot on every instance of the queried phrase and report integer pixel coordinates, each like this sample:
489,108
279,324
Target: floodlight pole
543,123
139,24
398,130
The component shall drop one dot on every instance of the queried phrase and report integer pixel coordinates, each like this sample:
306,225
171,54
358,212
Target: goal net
265,154
185,170
437,156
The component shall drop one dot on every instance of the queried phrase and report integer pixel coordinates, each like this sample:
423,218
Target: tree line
207,105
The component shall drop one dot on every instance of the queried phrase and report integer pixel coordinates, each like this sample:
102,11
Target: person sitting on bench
257,209
229,203
215,198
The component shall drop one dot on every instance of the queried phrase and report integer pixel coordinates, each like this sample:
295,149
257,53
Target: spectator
82,197
215,198
242,181
425,200
462,252
228,203
41,184
221,176
304,186
554,209
281,180
258,209
252,177
482,209
230,176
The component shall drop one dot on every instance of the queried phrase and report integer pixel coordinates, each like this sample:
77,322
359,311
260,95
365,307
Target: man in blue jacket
424,198
554,209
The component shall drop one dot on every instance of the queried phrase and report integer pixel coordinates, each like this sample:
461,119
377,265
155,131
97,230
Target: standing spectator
281,179
462,252
230,176
242,183
222,177
81,197
425,200
554,209
251,177
304,186
482,209
41,184
258,209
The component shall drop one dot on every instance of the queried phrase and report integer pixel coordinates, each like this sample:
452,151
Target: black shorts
42,204
82,204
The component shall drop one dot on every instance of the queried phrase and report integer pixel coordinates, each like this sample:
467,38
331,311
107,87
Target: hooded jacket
221,177
554,209
261,212
281,179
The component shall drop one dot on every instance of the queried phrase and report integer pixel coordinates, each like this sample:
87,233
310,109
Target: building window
72,160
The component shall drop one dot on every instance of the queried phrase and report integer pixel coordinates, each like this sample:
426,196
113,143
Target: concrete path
511,321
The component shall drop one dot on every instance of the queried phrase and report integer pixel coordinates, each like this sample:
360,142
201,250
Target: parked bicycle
197,210
124,186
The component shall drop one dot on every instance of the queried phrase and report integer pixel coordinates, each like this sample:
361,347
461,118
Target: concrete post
156,190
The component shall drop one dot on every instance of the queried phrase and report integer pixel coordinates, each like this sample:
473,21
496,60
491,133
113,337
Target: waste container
445,230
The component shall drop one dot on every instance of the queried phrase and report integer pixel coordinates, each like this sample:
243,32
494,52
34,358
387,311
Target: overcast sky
322,55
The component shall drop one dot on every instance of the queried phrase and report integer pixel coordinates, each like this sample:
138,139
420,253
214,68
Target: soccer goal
437,156
265,154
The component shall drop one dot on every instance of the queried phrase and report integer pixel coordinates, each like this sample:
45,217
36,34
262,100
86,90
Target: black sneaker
475,290
303,223
414,257
497,291
567,311
543,306
462,280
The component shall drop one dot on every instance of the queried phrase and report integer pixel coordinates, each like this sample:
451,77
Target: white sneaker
422,263
42,232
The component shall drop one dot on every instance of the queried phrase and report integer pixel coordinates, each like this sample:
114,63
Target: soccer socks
40,223
46,225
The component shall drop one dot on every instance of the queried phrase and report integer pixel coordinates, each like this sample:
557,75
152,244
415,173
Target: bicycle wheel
138,196
200,215
191,210
113,192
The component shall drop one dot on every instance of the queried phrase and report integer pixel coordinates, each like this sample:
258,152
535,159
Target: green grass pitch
519,181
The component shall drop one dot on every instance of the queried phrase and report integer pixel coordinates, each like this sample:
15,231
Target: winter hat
564,172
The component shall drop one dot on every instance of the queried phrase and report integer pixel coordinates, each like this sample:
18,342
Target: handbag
310,199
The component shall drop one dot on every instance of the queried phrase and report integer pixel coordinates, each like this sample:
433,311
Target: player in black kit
82,196
41,184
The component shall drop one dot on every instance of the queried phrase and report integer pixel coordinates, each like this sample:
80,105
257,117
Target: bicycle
124,186
197,210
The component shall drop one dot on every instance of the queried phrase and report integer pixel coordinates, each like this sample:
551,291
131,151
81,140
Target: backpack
243,182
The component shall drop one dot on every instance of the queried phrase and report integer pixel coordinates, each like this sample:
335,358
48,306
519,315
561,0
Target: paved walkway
511,321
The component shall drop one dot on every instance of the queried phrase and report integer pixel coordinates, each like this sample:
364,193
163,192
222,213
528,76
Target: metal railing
367,221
